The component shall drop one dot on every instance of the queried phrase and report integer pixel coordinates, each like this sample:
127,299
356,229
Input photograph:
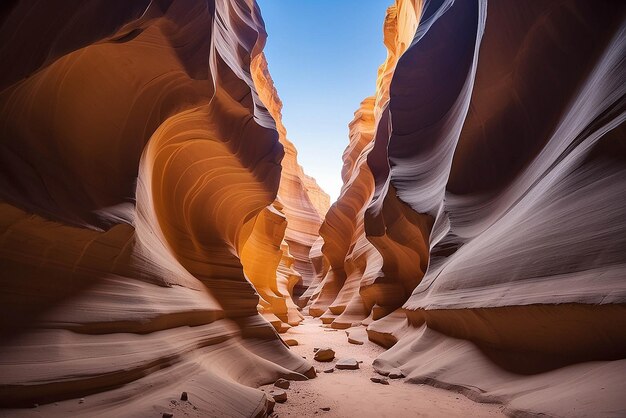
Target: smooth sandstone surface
480,231
141,164
157,231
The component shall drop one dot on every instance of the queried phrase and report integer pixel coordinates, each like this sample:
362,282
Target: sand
350,393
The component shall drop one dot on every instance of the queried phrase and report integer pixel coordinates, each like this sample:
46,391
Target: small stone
167,415
395,374
279,395
324,354
291,342
35,405
184,396
381,380
315,349
326,408
332,369
331,330
282,383
347,364
81,400
353,341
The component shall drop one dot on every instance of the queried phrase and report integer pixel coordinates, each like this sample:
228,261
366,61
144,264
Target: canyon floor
351,393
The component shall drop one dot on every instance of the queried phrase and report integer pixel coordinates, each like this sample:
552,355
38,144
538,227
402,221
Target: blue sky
323,56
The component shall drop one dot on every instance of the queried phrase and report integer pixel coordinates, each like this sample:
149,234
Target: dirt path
350,393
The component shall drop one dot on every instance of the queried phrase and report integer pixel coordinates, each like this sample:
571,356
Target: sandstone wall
140,168
491,187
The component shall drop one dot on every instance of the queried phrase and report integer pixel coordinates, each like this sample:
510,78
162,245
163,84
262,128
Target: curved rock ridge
304,202
494,204
371,276
139,181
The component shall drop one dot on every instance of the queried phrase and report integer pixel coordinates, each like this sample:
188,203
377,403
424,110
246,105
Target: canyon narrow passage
351,393
166,252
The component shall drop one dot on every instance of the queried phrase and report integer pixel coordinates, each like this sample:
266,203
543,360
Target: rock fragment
278,395
347,364
396,374
381,380
354,341
324,354
282,383
184,396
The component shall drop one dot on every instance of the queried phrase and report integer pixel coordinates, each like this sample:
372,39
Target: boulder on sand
324,354
347,364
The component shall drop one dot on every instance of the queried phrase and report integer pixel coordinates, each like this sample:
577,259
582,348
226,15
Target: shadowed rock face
367,277
139,180
151,205
494,198
304,202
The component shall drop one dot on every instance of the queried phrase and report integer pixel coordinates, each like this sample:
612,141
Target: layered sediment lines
370,274
495,201
304,202
140,169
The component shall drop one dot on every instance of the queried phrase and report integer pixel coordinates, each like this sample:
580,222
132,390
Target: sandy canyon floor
350,393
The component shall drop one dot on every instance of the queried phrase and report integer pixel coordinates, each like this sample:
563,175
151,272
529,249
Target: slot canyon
163,252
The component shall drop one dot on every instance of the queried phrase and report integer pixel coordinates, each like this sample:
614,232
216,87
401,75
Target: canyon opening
165,253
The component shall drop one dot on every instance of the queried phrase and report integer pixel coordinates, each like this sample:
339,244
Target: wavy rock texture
371,276
140,169
499,175
304,202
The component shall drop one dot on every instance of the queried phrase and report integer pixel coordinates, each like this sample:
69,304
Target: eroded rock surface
139,183
480,229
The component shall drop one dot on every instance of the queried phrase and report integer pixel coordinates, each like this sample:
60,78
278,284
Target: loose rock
395,374
381,380
167,415
326,408
353,341
332,369
282,383
347,364
324,354
184,396
81,400
278,395
291,342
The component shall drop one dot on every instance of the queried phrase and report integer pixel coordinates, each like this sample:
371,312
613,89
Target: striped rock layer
481,228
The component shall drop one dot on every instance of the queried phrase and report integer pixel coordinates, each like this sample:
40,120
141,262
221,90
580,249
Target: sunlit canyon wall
140,183
277,256
481,229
